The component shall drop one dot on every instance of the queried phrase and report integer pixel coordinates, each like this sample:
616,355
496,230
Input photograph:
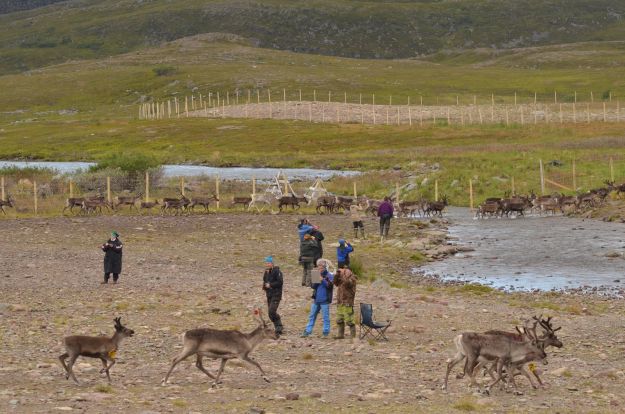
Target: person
342,253
308,251
272,285
303,227
345,281
355,212
322,298
112,257
318,235
385,212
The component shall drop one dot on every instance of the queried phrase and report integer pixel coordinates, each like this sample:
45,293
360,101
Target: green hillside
79,29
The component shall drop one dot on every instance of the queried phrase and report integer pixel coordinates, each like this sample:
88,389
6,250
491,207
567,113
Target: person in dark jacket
319,238
272,285
308,252
342,253
112,257
385,212
322,298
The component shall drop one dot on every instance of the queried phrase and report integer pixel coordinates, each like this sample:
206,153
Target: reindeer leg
70,368
199,366
251,361
221,370
450,364
62,358
105,369
183,355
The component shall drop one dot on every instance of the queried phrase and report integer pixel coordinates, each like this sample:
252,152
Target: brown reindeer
202,201
327,203
100,347
243,201
127,201
291,200
8,203
148,205
175,205
224,345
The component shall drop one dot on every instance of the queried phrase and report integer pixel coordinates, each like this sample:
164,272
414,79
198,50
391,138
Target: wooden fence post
2,191
108,189
35,195
71,188
217,190
147,186
397,192
611,170
253,185
186,106
182,186
513,189
587,112
373,102
355,192
542,178
471,194
604,114
270,108
435,190
574,177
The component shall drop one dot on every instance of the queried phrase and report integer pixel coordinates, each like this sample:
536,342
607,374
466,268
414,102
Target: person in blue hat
112,257
342,253
272,285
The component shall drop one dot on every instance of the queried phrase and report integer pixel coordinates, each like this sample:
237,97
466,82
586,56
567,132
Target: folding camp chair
369,327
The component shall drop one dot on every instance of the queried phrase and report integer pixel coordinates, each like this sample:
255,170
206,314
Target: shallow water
226,173
534,252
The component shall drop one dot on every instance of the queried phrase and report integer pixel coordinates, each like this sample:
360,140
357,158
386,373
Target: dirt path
187,272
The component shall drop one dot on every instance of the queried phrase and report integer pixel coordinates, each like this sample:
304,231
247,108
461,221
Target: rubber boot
352,331
341,331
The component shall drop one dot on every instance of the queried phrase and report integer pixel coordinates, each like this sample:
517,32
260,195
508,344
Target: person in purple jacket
385,212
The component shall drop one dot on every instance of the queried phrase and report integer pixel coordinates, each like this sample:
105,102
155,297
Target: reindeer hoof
266,379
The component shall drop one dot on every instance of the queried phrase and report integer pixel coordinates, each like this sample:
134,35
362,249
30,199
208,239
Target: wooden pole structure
253,185
555,97
147,186
355,192
587,113
108,189
300,95
611,169
35,195
471,194
592,97
169,108
373,101
513,189
2,189
186,106
182,185
604,113
217,190
435,190
71,188
542,178
574,177
270,108
314,95
397,192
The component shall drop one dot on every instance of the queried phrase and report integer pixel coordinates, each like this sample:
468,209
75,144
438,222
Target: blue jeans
312,318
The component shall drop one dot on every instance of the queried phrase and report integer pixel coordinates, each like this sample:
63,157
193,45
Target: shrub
164,70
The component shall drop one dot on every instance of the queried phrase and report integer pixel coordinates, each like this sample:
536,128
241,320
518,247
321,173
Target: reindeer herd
502,355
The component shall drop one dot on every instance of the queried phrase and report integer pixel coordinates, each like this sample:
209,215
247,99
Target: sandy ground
187,272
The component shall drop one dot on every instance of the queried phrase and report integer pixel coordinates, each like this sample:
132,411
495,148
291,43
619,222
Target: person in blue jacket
304,227
322,298
342,253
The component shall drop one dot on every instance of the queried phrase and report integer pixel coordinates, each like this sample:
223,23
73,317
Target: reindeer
264,200
127,201
408,208
490,208
8,202
435,208
202,201
292,201
244,201
72,202
328,203
177,205
93,205
94,347
148,205
224,345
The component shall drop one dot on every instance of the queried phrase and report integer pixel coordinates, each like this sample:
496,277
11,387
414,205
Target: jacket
342,253
346,282
112,256
319,238
274,277
355,212
323,290
303,229
386,208
309,249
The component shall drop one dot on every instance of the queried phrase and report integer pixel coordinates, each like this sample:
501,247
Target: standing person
355,212
322,298
342,253
308,251
112,257
345,281
303,227
318,235
385,212
272,285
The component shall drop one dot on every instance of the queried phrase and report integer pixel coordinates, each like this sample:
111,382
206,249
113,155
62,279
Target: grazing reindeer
244,201
224,345
202,201
148,205
292,201
8,202
94,347
127,201
72,202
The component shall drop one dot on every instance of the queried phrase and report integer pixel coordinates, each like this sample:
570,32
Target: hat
269,259
341,241
114,233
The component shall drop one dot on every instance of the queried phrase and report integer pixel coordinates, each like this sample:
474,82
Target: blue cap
341,241
269,259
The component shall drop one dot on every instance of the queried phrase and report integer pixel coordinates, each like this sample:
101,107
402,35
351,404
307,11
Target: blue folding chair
369,327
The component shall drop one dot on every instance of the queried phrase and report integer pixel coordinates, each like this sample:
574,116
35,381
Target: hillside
10,6
79,29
